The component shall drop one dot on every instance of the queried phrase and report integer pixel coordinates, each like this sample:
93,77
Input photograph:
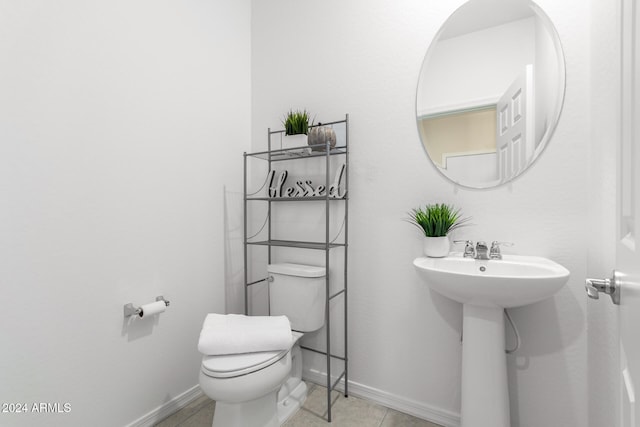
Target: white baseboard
169,408
417,409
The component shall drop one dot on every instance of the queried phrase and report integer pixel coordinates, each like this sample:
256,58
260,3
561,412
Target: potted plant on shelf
296,128
436,221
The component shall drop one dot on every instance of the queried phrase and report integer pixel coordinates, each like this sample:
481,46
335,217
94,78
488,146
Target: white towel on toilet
236,333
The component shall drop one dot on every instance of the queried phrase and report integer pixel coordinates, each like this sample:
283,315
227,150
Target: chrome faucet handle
494,252
469,250
466,242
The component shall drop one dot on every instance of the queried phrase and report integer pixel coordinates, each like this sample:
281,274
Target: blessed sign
305,188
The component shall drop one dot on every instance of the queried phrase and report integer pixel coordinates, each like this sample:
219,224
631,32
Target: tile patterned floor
346,412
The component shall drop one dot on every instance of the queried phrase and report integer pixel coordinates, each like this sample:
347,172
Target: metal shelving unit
302,154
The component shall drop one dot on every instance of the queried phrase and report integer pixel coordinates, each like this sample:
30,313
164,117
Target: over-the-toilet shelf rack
300,153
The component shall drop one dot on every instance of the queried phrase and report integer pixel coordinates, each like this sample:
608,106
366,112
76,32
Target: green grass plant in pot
436,221
296,128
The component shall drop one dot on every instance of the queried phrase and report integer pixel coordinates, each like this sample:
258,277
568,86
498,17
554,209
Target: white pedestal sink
486,288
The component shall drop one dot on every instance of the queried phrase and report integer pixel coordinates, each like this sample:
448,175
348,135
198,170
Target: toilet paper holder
130,310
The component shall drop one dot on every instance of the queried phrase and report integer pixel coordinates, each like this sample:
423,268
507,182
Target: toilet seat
235,365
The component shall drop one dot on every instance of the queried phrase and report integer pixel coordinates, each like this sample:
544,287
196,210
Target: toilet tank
298,291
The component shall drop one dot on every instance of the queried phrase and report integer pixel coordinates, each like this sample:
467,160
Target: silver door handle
610,287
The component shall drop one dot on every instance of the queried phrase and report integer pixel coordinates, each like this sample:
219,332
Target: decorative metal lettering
305,188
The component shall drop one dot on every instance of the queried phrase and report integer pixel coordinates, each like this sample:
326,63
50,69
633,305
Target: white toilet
264,389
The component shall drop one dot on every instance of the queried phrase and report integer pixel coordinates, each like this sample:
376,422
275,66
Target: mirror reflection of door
488,143
486,65
515,138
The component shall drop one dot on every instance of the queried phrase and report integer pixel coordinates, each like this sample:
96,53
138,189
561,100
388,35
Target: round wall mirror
490,91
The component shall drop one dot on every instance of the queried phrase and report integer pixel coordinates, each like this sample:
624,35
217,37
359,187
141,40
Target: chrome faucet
482,250
494,252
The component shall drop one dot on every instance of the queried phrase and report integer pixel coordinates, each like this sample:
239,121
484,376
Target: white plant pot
436,247
294,141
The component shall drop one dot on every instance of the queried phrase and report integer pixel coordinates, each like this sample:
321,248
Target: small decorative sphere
318,137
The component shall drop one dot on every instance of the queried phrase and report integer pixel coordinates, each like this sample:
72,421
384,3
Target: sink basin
511,282
486,288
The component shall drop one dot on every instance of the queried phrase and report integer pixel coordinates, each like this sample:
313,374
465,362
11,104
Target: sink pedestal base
485,393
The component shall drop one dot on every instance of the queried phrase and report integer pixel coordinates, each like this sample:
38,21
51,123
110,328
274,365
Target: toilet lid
234,365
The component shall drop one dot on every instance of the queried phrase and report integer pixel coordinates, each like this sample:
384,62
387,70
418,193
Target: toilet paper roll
152,308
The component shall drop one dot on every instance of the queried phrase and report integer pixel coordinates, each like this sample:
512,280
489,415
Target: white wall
121,123
364,58
602,316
